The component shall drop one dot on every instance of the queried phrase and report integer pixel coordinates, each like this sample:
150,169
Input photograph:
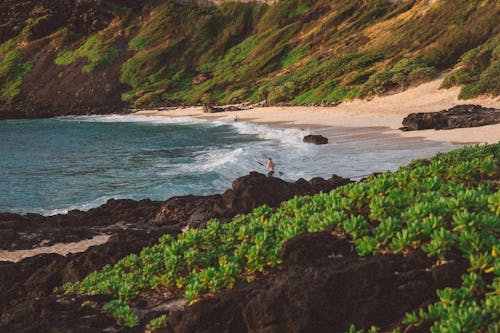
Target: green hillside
446,205
295,51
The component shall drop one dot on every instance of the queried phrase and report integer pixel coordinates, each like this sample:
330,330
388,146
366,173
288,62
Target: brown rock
316,139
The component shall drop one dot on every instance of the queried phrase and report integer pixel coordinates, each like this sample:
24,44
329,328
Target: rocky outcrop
456,117
322,286
30,230
226,108
247,193
316,139
26,303
116,216
211,109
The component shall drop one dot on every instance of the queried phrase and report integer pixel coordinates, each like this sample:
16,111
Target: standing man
270,167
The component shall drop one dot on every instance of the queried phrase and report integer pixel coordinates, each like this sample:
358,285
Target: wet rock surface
316,139
26,300
457,117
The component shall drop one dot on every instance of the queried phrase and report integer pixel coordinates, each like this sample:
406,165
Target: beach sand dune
385,113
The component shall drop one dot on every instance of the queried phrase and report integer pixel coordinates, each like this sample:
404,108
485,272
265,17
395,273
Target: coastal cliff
103,56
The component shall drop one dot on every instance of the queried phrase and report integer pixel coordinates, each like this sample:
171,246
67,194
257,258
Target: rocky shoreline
26,286
322,284
460,116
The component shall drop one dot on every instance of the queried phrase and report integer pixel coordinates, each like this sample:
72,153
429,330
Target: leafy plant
443,205
122,312
157,323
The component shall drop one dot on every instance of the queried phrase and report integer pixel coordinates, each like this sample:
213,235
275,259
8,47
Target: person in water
236,119
270,167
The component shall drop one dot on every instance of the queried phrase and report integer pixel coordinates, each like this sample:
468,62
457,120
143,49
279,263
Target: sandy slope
386,111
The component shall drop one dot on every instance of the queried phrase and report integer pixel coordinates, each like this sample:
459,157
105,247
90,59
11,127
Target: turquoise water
53,165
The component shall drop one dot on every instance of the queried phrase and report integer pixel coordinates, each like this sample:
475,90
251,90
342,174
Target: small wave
215,159
83,207
284,135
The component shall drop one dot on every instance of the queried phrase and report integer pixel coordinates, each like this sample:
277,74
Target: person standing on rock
270,167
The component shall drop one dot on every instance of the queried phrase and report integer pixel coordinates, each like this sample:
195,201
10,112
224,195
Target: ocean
51,166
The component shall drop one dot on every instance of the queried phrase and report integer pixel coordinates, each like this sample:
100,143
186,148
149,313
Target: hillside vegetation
295,51
447,206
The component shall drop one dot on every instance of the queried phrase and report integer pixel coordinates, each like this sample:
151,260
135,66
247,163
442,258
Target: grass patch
12,73
93,50
291,58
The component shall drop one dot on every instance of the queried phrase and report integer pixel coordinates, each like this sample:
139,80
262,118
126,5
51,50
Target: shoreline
385,113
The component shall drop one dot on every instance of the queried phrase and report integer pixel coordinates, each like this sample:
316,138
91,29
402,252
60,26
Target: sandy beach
59,248
385,114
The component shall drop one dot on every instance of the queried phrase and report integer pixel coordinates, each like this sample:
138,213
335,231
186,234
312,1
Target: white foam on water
285,135
214,159
117,118
55,211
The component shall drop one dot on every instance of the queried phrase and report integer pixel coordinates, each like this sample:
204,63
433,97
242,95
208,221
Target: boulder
316,139
212,109
457,117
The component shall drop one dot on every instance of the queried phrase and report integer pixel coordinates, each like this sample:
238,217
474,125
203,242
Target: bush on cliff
478,70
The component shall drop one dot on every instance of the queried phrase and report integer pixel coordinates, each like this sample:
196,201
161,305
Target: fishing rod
279,172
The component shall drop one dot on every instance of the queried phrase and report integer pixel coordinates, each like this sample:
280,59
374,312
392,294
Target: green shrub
8,62
406,72
157,323
138,43
478,71
444,205
122,312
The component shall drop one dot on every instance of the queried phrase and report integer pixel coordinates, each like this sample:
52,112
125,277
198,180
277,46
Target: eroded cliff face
39,29
102,56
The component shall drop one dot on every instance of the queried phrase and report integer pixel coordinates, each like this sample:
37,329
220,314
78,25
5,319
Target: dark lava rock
247,193
322,286
26,303
316,139
456,117
211,109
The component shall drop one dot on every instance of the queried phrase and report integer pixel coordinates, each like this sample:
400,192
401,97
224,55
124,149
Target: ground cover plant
445,205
